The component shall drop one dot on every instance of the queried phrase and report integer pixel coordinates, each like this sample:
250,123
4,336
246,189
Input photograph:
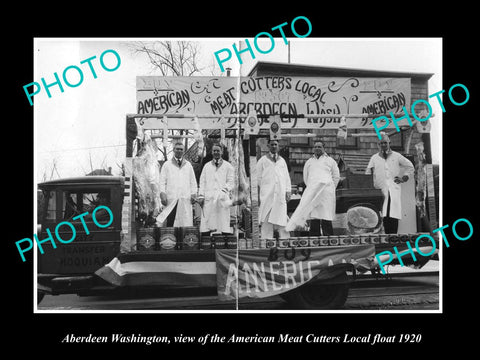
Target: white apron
323,170
384,172
311,199
274,182
179,184
215,186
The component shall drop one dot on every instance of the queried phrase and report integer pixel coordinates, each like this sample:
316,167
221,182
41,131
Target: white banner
290,97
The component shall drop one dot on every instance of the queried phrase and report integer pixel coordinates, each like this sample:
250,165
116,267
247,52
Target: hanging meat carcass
146,176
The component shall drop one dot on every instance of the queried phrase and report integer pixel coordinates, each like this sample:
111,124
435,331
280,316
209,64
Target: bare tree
178,58
214,68
172,58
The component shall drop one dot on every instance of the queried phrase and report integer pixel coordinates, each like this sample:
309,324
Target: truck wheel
318,296
40,296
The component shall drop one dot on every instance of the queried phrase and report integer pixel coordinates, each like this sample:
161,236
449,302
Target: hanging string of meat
240,194
236,158
146,176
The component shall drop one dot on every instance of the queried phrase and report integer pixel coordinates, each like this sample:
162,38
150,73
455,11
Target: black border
43,332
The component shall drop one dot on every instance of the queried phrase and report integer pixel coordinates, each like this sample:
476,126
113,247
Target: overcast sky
86,124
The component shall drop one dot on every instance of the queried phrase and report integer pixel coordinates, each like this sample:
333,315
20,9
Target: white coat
384,172
323,170
274,182
215,186
179,184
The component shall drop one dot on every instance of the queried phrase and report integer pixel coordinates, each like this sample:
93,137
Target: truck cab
69,267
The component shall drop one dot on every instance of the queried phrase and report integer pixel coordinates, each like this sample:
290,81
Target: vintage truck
74,268
70,268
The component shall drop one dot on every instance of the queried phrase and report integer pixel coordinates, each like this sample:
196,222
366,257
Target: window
297,177
50,201
396,141
78,202
69,206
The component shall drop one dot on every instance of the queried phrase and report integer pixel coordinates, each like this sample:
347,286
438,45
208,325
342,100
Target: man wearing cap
274,192
215,186
178,189
390,169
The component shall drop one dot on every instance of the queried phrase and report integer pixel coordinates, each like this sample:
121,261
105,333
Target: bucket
146,239
242,244
168,240
218,242
206,242
231,241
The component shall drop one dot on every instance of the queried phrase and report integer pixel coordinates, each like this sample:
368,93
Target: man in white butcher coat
390,169
274,192
178,189
321,177
216,183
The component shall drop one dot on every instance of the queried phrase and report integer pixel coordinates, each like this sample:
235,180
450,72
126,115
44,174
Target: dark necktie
216,163
179,162
385,155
